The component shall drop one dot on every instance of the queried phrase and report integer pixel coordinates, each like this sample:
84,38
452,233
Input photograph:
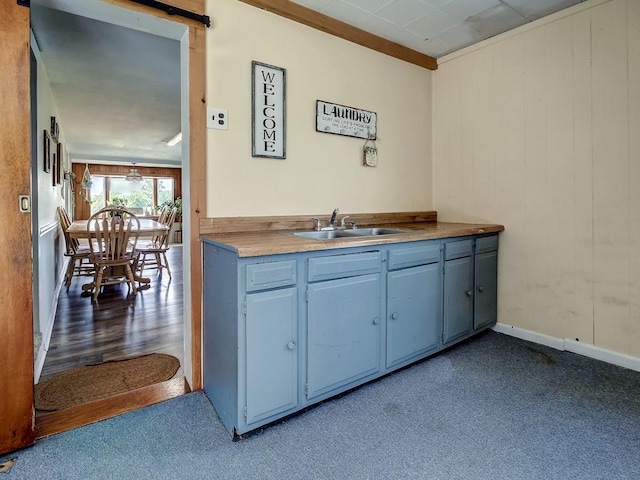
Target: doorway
185,34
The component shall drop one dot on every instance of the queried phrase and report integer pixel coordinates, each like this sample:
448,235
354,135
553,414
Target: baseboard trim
528,335
588,350
603,354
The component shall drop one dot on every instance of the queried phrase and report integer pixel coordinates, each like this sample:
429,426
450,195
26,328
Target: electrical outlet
218,118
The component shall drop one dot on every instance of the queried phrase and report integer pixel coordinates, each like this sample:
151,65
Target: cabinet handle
291,345
394,316
375,321
469,293
480,288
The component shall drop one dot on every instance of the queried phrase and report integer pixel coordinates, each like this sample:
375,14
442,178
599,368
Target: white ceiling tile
495,20
380,27
388,30
431,24
453,39
345,12
409,40
436,3
368,5
540,8
401,12
437,27
463,9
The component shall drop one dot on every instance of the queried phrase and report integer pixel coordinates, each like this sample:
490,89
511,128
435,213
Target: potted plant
120,204
173,203
177,224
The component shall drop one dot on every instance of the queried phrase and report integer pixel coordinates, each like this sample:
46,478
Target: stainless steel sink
349,233
369,232
325,234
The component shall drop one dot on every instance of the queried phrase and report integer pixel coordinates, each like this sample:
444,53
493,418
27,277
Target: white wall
539,129
321,171
48,241
49,197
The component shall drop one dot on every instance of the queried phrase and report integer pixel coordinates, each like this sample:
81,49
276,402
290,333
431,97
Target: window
97,193
165,190
142,198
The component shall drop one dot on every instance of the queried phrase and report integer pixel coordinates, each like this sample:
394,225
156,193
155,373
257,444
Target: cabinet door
458,298
343,332
486,295
271,353
413,325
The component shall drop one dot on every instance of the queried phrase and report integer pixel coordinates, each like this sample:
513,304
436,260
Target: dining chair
162,217
115,234
154,254
79,264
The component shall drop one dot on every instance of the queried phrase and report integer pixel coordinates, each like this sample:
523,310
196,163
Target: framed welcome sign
268,114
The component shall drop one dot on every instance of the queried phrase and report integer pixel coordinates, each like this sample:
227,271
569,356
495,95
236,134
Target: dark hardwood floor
118,326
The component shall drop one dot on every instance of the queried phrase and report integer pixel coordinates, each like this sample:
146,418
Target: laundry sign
343,120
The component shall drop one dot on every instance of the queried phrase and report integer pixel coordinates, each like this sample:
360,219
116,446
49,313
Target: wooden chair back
163,214
71,244
168,219
116,234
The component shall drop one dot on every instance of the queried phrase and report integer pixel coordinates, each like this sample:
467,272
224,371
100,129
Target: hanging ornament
369,152
86,177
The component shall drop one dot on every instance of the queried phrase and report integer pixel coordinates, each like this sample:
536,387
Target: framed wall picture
54,166
55,129
46,156
59,163
268,115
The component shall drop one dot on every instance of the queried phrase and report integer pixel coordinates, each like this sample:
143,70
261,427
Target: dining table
148,228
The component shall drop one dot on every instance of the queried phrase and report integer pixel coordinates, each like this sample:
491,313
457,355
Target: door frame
16,268
17,414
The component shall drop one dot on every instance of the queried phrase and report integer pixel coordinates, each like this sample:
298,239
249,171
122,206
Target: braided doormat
93,382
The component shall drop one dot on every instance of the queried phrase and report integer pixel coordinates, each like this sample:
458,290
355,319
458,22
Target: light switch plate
218,118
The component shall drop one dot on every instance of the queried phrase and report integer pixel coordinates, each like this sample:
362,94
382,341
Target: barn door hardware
171,10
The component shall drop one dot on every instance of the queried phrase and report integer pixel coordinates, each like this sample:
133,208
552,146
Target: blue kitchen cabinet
343,320
414,326
486,282
470,286
250,337
458,290
271,353
283,332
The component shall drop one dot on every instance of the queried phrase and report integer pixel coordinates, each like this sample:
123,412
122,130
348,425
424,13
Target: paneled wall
539,129
82,209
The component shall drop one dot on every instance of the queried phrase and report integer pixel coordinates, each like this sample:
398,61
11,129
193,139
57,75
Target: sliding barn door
16,306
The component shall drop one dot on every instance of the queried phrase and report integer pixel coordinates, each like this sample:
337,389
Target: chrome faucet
332,222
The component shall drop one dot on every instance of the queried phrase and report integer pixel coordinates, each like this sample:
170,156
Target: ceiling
117,90
436,27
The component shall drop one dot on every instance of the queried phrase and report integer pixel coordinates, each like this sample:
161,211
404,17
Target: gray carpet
494,407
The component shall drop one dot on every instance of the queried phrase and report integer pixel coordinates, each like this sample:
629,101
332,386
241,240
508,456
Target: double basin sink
349,233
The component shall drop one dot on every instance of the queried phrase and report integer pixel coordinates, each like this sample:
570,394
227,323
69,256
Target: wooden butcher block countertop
257,236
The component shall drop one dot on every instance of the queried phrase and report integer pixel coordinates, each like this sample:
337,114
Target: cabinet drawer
341,266
262,276
462,248
414,256
487,244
